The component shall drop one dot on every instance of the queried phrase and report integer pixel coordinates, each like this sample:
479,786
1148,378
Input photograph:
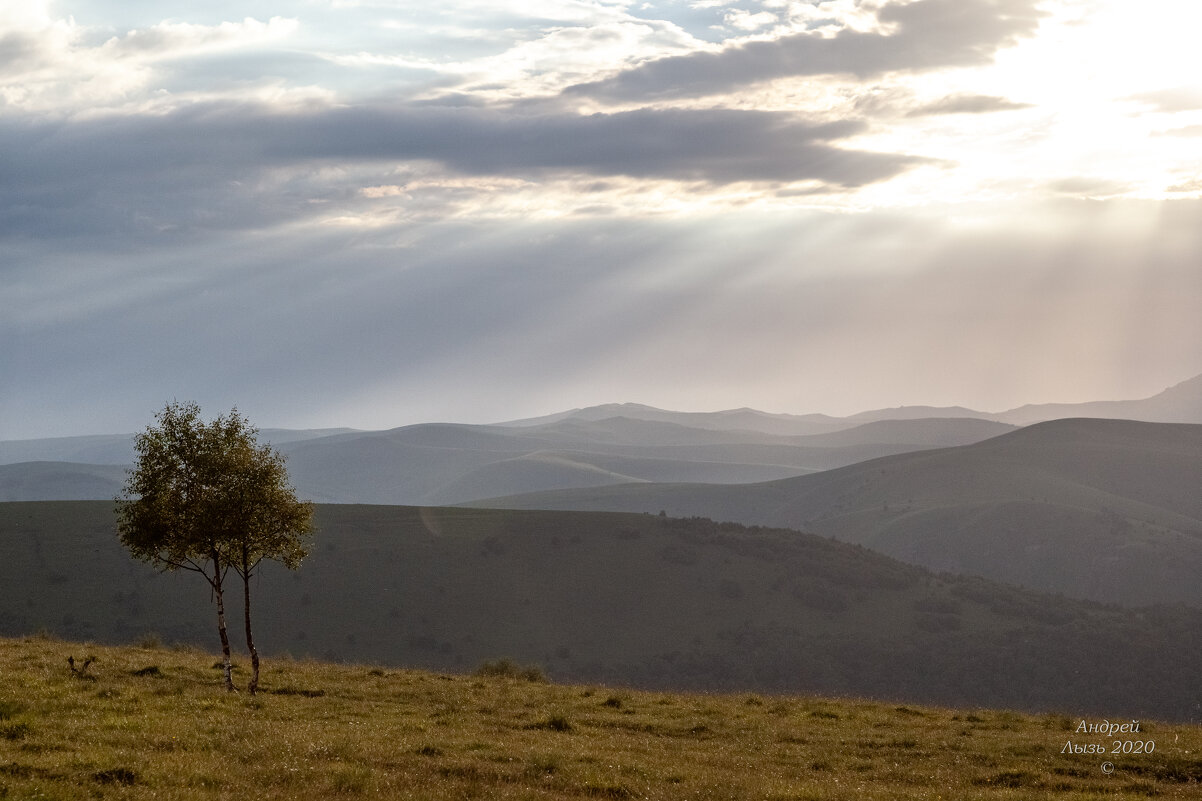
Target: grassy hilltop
151,722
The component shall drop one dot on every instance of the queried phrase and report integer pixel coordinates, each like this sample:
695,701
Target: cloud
746,21
925,35
545,62
1185,130
1182,98
228,165
967,104
61,66
175,39
1187,186
1079,186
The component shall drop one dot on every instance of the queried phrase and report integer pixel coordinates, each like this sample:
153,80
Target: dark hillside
629,599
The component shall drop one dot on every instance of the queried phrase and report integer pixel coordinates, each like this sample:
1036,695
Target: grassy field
153,722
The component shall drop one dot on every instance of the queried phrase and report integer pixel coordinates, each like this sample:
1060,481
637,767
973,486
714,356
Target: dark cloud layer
929,34
198,167
717,145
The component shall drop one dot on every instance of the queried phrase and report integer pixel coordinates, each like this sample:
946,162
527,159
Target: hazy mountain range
448,463
602,445
1181,403
1093,508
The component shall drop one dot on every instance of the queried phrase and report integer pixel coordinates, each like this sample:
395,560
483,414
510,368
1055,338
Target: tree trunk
250,640
226,665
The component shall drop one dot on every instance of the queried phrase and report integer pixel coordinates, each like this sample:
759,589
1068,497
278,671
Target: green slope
631,599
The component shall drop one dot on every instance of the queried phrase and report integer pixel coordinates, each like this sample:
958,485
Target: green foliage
207,497
208,492
507,668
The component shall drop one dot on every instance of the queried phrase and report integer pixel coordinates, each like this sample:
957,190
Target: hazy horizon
370,214
484,421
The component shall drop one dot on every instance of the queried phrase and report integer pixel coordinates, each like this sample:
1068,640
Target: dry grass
154,723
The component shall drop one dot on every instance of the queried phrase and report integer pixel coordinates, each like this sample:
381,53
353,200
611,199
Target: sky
371,213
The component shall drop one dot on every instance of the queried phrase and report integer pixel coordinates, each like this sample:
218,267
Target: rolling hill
445,464
60,481
118,449
639,600
1102,509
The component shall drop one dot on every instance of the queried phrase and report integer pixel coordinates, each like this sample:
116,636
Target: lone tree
208,497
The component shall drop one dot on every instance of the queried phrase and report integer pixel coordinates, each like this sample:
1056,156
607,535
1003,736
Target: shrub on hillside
509,669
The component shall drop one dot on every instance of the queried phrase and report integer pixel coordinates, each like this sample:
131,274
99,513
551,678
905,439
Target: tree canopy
208,497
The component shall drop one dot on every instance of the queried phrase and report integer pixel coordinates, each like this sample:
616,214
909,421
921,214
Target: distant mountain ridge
1181,403
441,463
610,444
743,419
